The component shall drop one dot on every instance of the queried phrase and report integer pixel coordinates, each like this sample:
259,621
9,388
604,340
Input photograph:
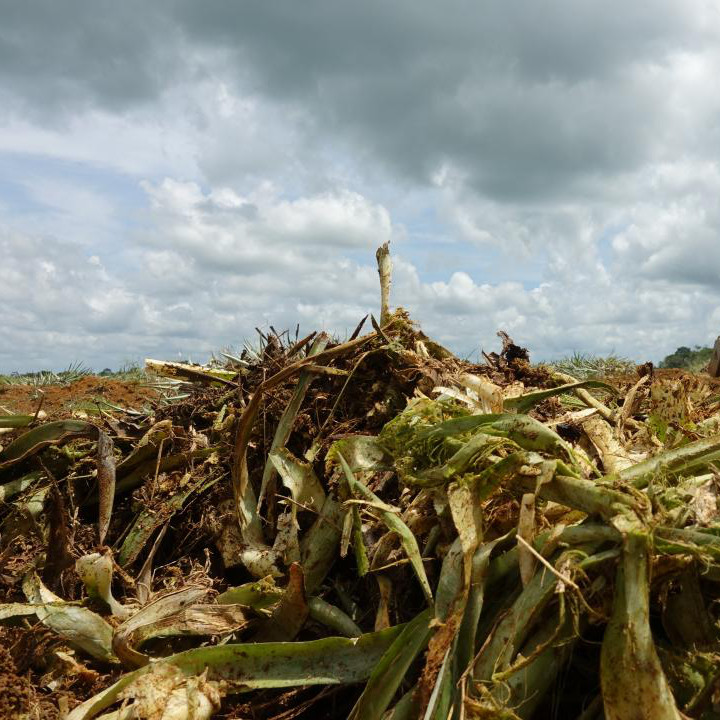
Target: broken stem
384,263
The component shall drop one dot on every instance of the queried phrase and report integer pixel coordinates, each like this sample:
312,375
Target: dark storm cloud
523,99
59,57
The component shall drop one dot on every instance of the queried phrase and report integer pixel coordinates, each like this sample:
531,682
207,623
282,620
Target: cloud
211,271
262,232
58,59
523,101
674,236
203,274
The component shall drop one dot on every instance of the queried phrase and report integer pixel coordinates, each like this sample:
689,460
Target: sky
174,174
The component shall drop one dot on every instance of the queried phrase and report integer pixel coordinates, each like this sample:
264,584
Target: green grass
130,372
584,366
43,378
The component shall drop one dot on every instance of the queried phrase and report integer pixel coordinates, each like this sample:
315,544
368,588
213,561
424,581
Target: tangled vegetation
368,529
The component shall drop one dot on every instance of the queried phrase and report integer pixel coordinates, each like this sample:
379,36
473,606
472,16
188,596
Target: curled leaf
78,625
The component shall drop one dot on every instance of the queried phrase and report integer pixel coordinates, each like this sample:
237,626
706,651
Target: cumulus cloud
203,273
261,233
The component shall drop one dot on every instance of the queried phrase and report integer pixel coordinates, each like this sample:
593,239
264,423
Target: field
368,529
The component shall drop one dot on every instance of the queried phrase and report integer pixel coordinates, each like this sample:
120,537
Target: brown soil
20,698
63,400
16,693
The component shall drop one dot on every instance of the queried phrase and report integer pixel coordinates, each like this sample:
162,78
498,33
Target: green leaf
15,487
361,557
394,523
78,625
451,582
390,671
523,403
263,593
298,477
258,595
250,666
528,433
693,456
15,421
287,419
510,633
477,448
333,617
406,708
319,547
442,695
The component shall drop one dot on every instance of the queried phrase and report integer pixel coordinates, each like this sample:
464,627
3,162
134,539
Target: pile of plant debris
367,529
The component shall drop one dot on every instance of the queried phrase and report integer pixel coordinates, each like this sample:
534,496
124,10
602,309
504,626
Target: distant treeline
688,359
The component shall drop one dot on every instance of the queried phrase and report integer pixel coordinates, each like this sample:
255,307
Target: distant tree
687,359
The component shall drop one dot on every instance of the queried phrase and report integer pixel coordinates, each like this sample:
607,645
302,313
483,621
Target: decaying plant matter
367,529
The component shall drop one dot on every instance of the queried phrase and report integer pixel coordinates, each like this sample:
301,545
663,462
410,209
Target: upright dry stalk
385,271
